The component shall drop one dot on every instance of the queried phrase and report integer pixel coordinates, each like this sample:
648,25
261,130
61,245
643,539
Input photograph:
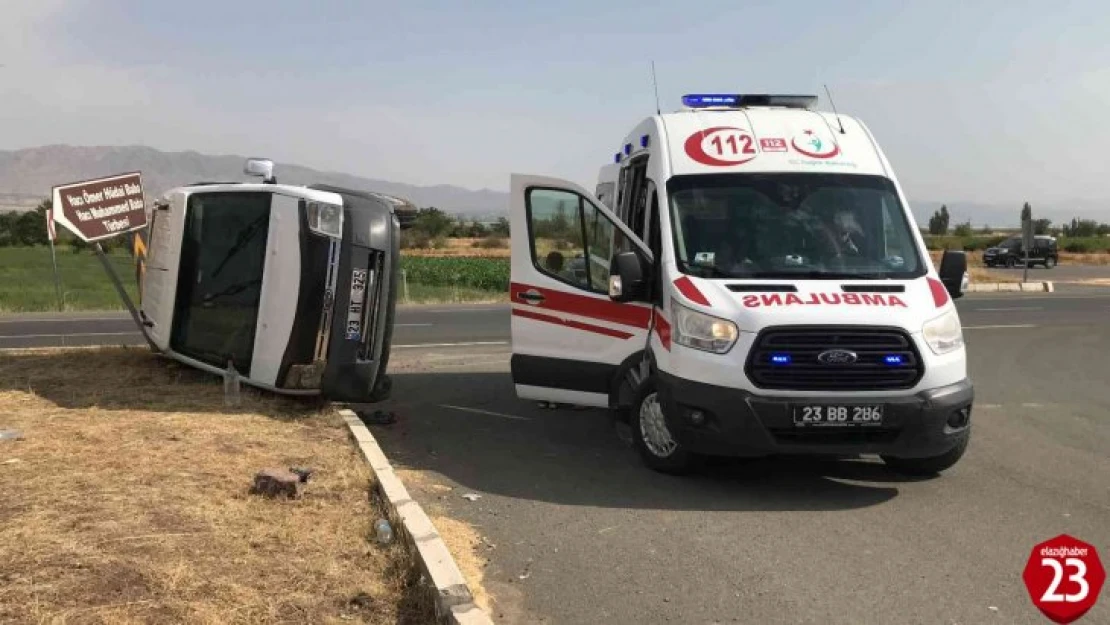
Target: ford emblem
837,357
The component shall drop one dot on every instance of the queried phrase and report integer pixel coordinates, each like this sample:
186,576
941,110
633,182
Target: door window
223,257
572,241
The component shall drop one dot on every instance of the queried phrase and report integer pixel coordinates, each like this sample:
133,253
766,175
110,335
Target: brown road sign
98,209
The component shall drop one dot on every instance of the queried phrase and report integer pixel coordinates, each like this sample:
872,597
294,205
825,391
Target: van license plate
837,416
354,307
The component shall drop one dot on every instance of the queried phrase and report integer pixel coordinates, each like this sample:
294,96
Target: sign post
1027,241
95,210
52,234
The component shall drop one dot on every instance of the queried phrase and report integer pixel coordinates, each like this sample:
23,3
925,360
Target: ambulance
747,280
289,288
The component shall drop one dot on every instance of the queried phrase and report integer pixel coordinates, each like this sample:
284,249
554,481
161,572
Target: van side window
655,240
633,207
571,240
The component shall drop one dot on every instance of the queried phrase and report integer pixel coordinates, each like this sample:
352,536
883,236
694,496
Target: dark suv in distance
1010,254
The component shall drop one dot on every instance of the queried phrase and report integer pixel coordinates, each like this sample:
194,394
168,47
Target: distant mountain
26,176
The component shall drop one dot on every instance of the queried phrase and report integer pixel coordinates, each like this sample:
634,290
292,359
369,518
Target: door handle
531,296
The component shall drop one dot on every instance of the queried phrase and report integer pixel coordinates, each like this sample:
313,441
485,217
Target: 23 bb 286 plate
838,415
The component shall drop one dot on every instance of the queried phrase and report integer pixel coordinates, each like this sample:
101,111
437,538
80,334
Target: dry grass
980,275
463,247
127,502
461,539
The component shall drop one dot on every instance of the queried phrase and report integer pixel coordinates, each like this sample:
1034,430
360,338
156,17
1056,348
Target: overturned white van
293,287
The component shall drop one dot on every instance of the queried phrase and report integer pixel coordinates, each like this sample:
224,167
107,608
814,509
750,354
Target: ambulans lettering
823,299
721,146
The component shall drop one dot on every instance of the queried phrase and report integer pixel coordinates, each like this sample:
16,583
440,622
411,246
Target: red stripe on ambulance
663,329
823,299
686,286
600,308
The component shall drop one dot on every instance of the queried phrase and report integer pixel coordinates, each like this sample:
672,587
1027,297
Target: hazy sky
972,100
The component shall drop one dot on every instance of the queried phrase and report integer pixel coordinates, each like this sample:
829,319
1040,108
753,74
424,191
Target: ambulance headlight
701,331
325,219
944,334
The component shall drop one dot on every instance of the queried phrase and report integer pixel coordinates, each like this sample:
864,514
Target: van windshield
791,225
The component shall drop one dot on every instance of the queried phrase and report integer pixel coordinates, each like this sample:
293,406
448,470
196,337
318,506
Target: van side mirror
953,272
262,167
628,277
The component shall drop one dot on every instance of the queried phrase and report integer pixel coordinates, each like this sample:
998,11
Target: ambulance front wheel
930,466
653,440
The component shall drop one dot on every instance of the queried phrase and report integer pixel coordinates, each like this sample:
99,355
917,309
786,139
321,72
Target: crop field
27,280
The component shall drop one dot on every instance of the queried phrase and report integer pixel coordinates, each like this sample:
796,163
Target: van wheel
651,437
931,465
1011,262
1049,262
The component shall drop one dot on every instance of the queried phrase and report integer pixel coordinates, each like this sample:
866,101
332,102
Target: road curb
1011,287
453,599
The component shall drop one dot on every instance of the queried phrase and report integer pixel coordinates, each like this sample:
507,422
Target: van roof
768,139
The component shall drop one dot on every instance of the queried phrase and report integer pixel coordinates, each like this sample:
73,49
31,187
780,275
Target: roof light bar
714,100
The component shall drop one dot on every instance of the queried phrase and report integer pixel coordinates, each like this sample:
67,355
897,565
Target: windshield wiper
819,275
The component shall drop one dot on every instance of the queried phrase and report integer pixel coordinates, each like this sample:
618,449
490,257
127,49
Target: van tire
1049,262
931,465
677,462
1011,262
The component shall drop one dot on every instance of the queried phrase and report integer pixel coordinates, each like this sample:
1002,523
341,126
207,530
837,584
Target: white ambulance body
768,292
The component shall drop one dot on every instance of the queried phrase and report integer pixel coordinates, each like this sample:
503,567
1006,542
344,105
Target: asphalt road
577,531
442,325
581,533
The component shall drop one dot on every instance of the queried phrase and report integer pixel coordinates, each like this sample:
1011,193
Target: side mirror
262,167
953,272
628,277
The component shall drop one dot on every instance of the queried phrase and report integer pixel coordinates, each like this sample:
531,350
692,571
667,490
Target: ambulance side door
568,337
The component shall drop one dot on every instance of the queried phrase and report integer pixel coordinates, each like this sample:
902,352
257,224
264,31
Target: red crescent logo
835,150
694,149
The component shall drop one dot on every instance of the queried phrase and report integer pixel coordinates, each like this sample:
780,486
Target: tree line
940,220
432,226
28,229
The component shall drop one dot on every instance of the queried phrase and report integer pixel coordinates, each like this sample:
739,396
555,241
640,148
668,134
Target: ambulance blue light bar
716,100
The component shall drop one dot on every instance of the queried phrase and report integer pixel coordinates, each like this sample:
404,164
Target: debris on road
277,483
377,417
11,435
471,497
383,532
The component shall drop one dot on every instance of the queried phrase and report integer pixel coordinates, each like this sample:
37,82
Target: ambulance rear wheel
653,440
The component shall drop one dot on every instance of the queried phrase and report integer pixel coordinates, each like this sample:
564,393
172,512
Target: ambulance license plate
354,308
838,416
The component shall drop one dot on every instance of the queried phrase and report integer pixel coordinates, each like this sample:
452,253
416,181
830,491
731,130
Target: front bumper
740,423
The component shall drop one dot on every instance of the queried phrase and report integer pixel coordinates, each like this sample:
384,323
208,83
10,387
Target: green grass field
27,280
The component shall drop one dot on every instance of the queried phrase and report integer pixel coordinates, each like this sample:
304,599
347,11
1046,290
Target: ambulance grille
786,358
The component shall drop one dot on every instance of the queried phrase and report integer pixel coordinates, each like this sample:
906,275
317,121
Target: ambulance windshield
791,225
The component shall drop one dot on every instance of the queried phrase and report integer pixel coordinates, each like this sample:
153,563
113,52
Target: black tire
679,461
1011,262
931,465
1049,262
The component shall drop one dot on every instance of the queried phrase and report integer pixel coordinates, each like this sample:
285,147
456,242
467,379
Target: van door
568,337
